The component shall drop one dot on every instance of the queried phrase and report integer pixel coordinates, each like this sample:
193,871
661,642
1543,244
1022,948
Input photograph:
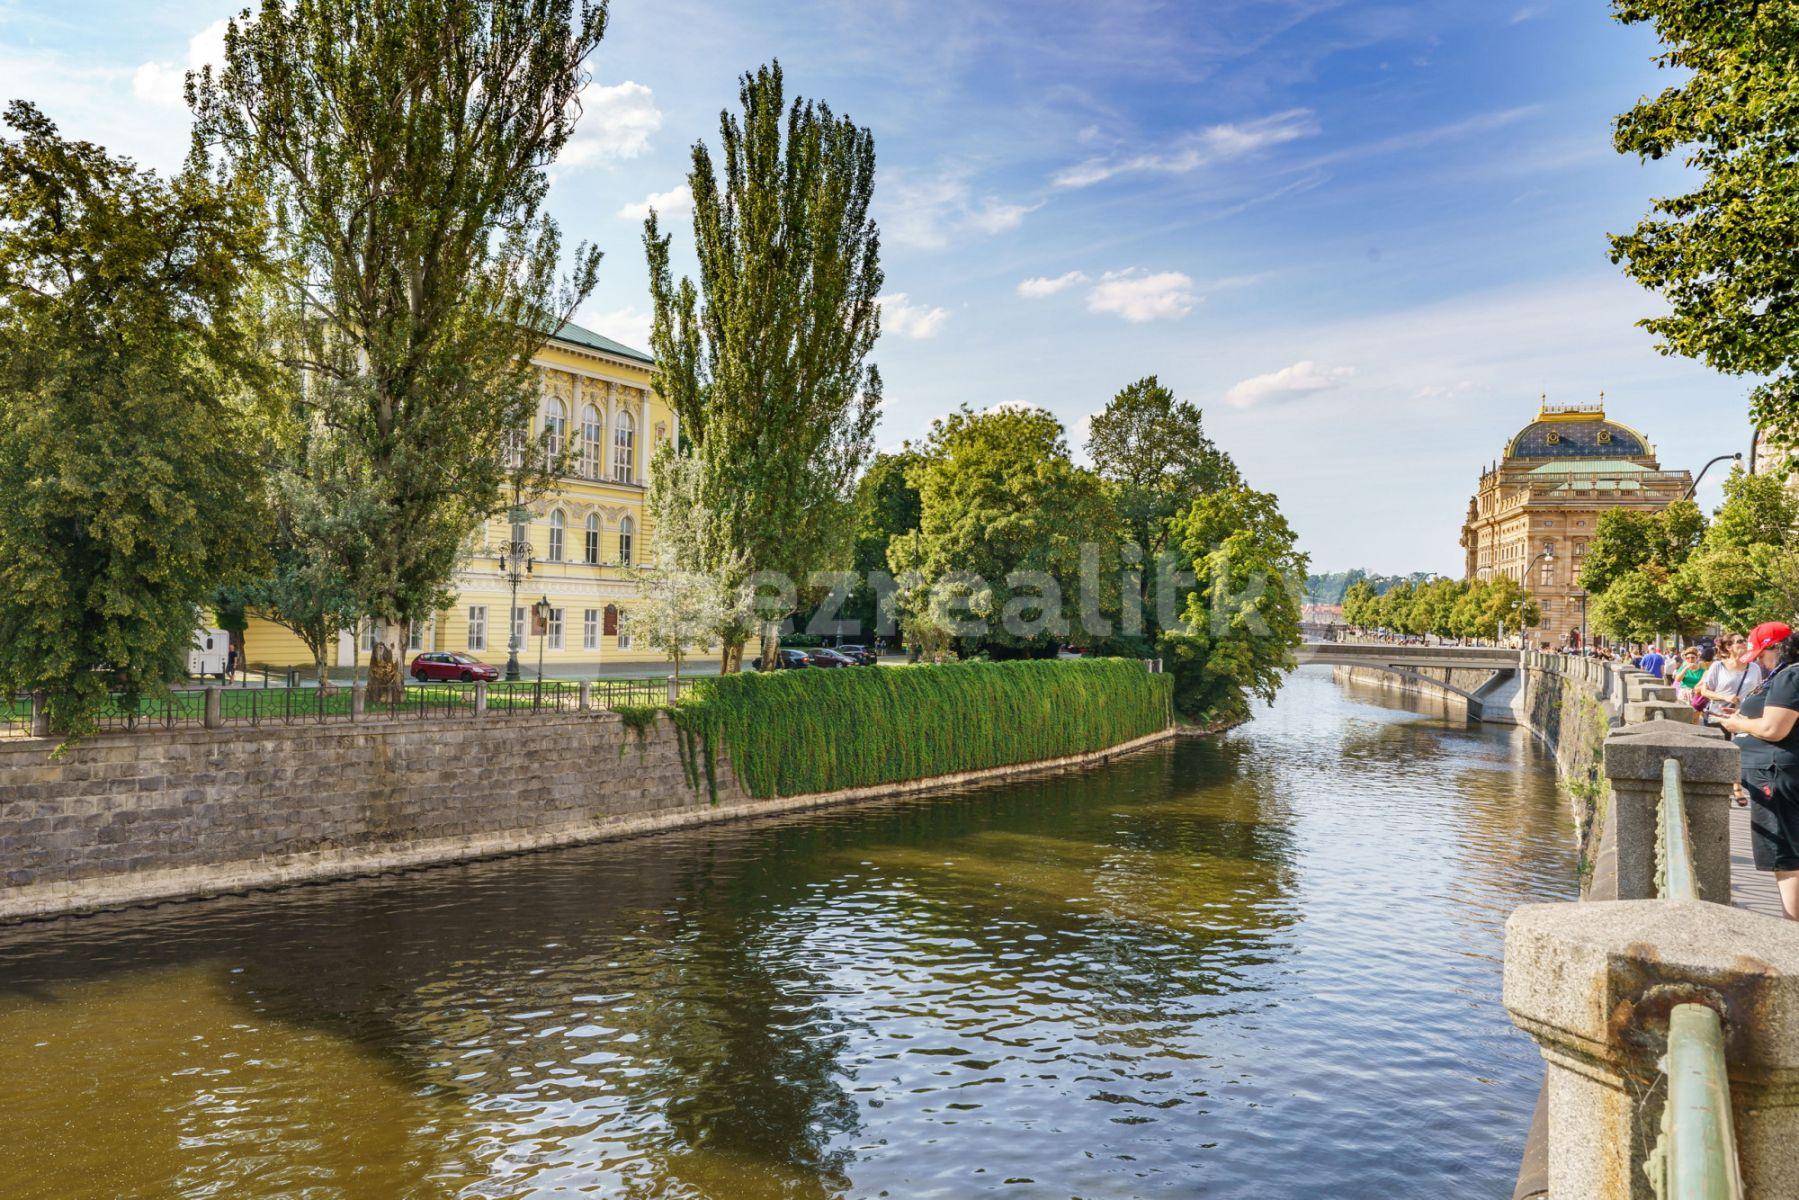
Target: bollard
215,709
674,688
358,692
40,716
1594,983
586,701
1708,767
481,697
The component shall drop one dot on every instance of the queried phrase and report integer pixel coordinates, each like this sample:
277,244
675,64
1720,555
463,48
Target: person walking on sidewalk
1768,720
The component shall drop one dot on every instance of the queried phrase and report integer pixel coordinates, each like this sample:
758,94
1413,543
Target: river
1265,965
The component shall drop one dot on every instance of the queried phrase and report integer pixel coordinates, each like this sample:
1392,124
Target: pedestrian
1768,720
230,659
1725,683
1688,674
1652,661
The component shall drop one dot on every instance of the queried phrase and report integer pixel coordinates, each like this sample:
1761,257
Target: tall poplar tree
403,147
764,360
127,388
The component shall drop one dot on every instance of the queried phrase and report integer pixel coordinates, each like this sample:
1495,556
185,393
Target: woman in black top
1768,720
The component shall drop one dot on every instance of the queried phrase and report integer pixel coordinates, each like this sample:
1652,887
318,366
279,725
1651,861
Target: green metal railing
1696,1156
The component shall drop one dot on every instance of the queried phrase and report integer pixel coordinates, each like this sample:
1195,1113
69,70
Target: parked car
437,665
831,658
863,654
788,661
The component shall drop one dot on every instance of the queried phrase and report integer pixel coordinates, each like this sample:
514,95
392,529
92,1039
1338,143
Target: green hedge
792,733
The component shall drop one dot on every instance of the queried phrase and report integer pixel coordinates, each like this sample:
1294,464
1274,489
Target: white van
207,655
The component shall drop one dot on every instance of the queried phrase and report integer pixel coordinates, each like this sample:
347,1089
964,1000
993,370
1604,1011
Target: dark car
789,660
436,665
863,654
831,658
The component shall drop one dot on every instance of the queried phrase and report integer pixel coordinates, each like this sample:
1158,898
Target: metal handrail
1673,841
1696,1156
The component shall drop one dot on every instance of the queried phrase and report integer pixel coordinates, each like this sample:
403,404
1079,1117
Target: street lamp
516,562
1738,456
1548,556
1582,597
541,610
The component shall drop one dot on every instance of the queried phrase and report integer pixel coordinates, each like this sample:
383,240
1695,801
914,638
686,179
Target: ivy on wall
792,733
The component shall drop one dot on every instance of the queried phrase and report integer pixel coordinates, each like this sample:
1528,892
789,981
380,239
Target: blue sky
1362,236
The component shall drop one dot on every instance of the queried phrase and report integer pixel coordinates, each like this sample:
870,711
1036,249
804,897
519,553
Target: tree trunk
771,644
386,665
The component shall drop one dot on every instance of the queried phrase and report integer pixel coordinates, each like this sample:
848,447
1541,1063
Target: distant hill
1329,589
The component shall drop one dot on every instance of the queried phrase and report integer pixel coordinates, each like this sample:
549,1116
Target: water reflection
1259,966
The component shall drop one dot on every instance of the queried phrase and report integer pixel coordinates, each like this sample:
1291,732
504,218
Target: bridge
1486,677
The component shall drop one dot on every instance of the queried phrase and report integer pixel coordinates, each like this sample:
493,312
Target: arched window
555,429
521,535
590,442
624,443
592,548
557,523
625,530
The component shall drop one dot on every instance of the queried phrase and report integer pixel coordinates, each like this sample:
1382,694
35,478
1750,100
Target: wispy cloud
1217,143
163,83
1139,296
899,316
1040,286
675,202
931,211
1303,378
616,123
630,324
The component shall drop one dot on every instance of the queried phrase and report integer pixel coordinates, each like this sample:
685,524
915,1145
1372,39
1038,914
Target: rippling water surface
1264,966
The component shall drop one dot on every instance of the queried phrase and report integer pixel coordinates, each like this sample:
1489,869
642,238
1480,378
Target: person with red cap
1768,720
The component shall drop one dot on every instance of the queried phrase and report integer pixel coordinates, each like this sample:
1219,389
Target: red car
437,665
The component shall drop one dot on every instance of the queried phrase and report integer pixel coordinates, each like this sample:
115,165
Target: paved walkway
1749,888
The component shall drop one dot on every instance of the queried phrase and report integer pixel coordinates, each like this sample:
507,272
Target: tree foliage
1721,253
1153,449
126,384
764,359
1004,519
1241,620
1746,567
403,149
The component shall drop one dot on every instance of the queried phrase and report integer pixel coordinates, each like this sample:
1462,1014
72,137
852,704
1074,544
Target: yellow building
584,536
1546,494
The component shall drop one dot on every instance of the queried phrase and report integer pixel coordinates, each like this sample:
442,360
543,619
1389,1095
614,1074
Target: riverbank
125,819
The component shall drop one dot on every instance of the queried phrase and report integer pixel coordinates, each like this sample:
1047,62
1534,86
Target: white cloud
630,325
905,319
930,212
1289,383
1218,143
1139,296
616,123
1040,286
675,202
162,83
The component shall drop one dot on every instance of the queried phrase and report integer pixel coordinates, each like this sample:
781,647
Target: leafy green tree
404,149
1626,539
886,505
126,388
1433,607
1395,608
1643,605
1241,620
1740,575
1721,253
1005,517
1153,449
765,359
1359,605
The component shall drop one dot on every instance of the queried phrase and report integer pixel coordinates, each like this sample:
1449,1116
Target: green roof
575,335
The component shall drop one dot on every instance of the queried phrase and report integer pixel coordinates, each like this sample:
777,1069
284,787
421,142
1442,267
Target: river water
1262,966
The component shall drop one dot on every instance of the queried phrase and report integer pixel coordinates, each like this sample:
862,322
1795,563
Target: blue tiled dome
1597,438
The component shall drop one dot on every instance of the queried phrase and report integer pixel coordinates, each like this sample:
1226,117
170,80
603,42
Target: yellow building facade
1546,494
585,537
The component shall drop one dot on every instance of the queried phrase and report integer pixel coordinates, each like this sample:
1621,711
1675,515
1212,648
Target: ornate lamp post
541,611
1548,556
1738,456
515,565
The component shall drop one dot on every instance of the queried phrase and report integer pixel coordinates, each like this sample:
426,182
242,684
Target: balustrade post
1708,767
480,697
1593,983
586,695
215,707
40,716
358,698
674,688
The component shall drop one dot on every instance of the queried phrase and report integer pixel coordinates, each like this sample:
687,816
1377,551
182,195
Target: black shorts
1774,816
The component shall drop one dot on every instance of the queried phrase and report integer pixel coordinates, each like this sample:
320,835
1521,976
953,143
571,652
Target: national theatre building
1546,493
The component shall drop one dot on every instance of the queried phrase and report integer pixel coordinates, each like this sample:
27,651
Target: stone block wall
129,817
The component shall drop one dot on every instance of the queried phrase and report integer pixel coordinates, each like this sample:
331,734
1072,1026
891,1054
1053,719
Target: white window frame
627,531
518,625
477,627
553,636
624,447
558,529
590,546
590,629
591,425
555,428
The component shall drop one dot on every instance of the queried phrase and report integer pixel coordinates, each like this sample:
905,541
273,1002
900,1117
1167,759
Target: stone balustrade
1594,982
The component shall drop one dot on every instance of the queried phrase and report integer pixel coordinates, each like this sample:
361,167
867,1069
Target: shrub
791,733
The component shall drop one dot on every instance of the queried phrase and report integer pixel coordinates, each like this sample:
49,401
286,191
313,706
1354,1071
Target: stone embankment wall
136,817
